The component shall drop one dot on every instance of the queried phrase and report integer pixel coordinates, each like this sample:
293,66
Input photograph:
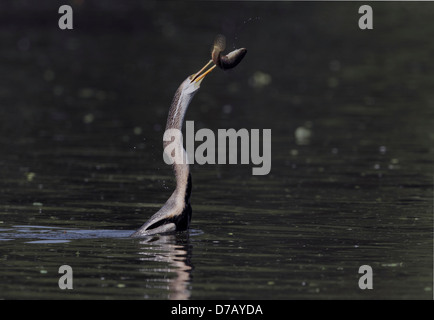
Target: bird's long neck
175,121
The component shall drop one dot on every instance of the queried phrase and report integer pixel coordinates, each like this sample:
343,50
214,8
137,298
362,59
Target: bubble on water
30,176
294,152
88,118
260,79
302,135
137,131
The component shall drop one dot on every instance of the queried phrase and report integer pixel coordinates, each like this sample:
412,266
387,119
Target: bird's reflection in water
175,251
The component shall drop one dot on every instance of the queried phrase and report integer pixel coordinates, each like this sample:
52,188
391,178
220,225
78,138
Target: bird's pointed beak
200,75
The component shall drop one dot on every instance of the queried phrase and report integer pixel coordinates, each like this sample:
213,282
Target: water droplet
88,118
137,131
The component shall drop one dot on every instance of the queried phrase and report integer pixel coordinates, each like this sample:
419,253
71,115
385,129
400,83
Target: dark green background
82,114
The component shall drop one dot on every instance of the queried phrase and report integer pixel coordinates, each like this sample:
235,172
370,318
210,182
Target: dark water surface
82,114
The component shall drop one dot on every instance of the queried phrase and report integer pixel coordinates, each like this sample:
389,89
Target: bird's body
175,215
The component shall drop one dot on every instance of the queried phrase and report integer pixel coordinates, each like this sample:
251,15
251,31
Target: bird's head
190,85
196,78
